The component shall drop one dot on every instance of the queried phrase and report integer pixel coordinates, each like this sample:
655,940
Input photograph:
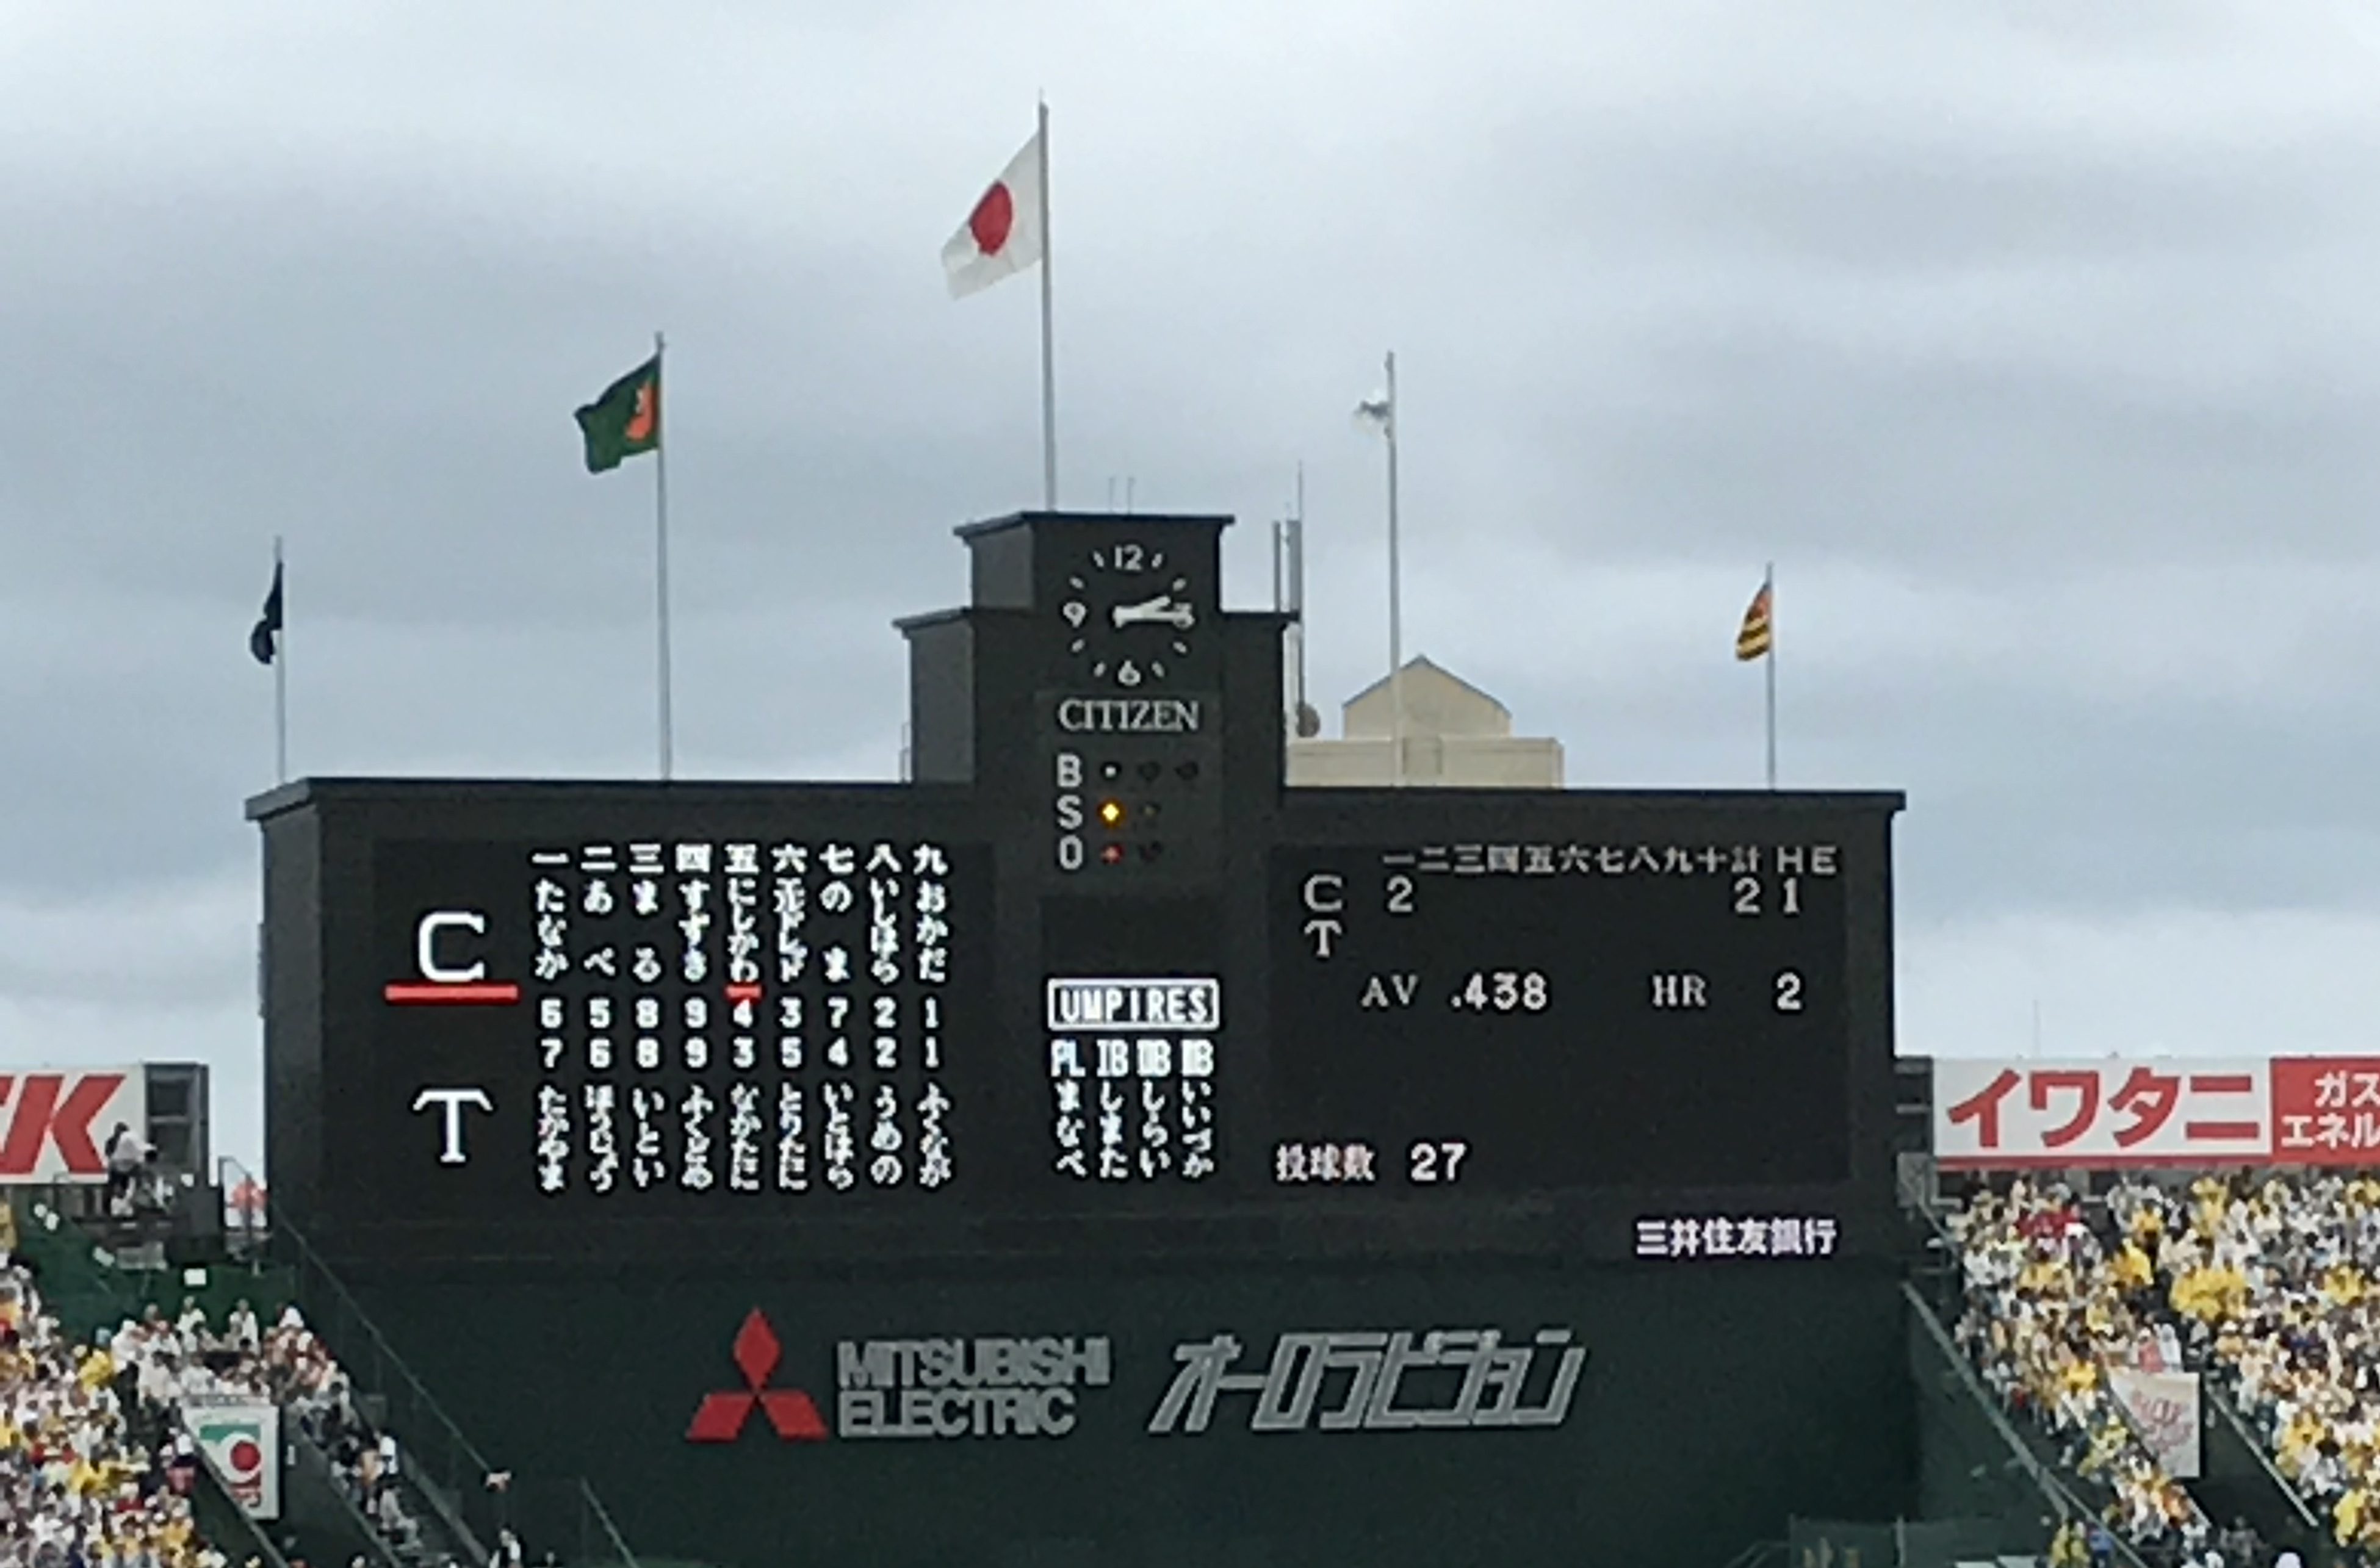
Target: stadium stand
2269,1285
395,1505
77,1486
173,1360
2047,1307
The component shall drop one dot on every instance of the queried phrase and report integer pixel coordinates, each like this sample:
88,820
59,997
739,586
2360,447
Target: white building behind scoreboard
1457,737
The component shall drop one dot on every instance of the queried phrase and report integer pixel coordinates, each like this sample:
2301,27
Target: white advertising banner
2164,1406
243,1442
2000,1113
54,1122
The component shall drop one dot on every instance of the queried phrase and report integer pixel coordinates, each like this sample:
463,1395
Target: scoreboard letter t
453,1100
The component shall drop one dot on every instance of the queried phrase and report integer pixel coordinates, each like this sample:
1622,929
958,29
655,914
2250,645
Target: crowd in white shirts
76,1490
186,1359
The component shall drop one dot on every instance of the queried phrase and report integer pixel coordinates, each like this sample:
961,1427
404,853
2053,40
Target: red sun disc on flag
247,1457
992,219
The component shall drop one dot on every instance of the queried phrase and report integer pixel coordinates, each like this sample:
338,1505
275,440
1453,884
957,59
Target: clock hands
1160,610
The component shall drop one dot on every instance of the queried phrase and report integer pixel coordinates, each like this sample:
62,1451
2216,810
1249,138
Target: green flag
625,420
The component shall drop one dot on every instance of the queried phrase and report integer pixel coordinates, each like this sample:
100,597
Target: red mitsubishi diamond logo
722,1414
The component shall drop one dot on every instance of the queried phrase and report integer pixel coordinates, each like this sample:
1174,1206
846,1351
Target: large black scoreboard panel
656,1022
1560,993
1099,985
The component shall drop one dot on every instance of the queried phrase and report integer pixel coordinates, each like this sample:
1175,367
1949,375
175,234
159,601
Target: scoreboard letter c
1325,893
425,945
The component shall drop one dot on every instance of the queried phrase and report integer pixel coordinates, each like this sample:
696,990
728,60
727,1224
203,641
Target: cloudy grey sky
2034,341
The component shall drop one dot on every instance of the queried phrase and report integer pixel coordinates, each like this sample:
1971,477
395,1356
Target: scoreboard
1583,1016
1095,982
667,1022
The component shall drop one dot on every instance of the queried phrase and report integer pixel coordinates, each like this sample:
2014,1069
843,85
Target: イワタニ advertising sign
54,1122
242,1441
1993,1113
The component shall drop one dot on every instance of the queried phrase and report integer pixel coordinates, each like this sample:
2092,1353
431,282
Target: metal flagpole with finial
661,565
1048,357
280,672
1768,591
1380,414
1756,638
267,645
1297,594
1396,614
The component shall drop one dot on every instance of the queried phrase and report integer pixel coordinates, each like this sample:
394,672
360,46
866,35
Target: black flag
264,641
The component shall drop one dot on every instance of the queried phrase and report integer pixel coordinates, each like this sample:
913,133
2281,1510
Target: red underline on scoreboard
484,994
744,992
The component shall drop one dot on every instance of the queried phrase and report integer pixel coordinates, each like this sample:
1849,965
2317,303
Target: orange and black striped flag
1758,631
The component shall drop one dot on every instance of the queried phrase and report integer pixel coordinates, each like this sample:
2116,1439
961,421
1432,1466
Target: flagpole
1297,578
1768,590
280,678
1049,366
660,559
1396,619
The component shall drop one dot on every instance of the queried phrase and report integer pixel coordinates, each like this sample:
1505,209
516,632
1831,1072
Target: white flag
2163,1408
1003,233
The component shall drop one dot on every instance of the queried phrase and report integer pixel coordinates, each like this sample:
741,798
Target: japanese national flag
1003,233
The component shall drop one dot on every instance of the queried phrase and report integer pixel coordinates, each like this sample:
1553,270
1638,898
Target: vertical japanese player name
744,1016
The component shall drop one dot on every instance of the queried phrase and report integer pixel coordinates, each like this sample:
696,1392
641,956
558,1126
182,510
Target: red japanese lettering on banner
54,1122
2083,1086
2147,1098
2326,1111
2100,1114
1983,1107
2283,1110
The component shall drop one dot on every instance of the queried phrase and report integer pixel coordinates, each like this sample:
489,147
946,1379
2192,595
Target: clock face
1129,614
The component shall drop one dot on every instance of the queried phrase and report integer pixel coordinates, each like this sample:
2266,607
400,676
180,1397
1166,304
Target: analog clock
1128,613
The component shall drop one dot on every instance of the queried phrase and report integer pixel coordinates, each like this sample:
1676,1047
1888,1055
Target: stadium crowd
77,1489
2266,1285
187,1359
2271,1281
2047,1307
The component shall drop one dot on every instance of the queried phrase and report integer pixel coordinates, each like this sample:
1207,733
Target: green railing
448,1468
557,1515
2056,1489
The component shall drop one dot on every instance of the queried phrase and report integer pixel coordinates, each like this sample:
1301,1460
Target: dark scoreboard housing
1094,984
